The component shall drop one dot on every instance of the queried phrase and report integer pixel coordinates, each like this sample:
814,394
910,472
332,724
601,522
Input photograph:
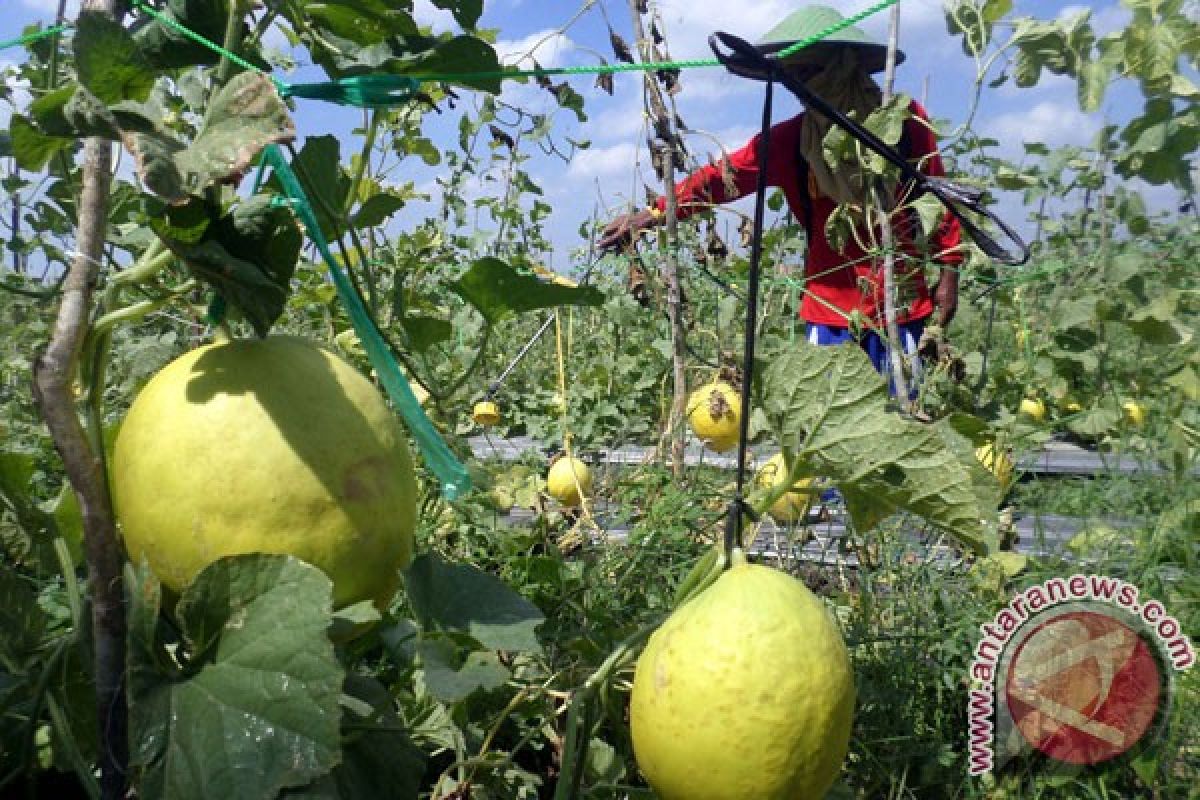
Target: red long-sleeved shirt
836,282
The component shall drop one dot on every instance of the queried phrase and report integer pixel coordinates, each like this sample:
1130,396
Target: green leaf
466,12
246,115
929,212
1156,322
1093,421
451,679
47,111
425,332
497,290
377,209
462,598
164,47
30,147
571,100
108,60
363,22
1092,83
459,55
248,255
327,186
829,405
256,709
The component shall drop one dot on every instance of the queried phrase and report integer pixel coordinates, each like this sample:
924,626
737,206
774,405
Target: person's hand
945,296
624,228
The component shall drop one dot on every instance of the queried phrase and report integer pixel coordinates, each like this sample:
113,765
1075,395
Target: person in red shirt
844,287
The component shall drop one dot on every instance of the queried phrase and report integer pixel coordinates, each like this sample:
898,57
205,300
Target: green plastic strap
454,477
33,37
380,90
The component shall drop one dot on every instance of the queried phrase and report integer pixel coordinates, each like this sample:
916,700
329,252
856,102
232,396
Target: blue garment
875,346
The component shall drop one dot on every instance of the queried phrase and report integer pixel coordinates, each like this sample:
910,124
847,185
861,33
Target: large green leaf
460,60
254,708
498,290
248,254
461,598
163,46
828,404
47,111
108,60
363,22
246,115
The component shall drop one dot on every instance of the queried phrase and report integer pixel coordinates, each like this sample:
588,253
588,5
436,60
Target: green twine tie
450,472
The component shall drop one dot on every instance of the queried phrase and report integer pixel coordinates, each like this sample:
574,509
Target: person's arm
710,185
946,241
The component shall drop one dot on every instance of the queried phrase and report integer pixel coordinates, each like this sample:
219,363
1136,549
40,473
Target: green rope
33,37
377,90
455,479
383,90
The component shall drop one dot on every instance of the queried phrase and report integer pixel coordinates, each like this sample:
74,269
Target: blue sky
723,109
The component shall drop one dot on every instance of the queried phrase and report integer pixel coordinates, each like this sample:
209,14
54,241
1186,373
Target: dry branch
667,161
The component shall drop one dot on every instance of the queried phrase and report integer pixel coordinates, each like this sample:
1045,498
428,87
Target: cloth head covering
846,86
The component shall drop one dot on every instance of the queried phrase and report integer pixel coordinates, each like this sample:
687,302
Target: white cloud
1053,123
549,47
613,161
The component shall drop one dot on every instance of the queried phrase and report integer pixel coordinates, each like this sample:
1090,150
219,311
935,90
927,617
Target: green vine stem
579,713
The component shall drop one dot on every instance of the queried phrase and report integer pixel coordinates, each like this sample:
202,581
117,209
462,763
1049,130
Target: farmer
838,282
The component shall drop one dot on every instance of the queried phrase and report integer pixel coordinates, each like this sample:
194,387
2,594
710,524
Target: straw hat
809,21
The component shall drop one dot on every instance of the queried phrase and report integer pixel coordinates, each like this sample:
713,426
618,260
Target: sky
723,110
